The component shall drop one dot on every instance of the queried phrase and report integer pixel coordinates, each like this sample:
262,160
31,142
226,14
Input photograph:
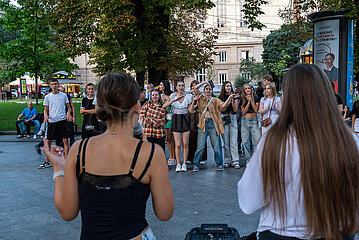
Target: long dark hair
167,85
223,90
329,157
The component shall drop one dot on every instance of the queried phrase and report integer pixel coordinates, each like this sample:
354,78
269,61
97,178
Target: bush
240,81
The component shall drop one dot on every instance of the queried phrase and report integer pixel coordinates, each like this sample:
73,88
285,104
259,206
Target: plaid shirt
149,113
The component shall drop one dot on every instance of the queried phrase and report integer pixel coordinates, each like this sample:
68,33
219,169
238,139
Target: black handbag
213,231
226,119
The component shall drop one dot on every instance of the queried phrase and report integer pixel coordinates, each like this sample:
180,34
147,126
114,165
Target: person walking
112,193
230,135
153,118
269,107
180,123
209,124
304,173
249,124
165,88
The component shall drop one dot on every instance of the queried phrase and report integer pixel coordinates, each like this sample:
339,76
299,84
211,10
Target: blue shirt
29,113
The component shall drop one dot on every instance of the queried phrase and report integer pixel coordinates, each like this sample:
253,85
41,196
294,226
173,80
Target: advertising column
333,50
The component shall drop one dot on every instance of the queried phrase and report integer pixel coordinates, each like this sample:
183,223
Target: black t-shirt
229,109
259,92
89,119
356,109
250,108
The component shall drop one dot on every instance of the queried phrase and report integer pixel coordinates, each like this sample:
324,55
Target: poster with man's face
326,48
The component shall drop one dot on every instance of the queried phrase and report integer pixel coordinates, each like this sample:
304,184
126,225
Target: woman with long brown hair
165,88
308,183
269,106
249,123
230,135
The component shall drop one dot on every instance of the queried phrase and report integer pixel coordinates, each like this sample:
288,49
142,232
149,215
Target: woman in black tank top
110,177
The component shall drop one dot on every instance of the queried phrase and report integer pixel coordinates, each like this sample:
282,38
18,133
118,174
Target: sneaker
178,168
171,162
45,165
28,136
34,137
19,136
237,166
184,168
40,133
37,148
195,169
189,162
220,168
202,162
226,165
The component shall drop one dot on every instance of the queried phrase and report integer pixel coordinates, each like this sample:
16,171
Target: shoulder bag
266,122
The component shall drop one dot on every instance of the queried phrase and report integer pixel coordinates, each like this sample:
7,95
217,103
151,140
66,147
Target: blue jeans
147,235
210,131
230,138
249,127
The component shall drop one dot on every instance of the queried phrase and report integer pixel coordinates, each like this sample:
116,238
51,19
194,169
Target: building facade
236,41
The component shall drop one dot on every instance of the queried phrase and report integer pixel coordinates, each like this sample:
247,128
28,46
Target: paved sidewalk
27,210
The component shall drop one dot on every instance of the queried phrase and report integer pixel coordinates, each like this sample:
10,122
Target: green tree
285,41
31,49
149,37
253,69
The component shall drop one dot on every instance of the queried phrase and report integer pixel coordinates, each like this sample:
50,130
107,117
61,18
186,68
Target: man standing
55,114
29,113
260,90
71,123
90,122
267,79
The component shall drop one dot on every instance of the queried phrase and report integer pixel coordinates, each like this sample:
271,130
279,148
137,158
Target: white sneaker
40,133
184,168
34,137
178,168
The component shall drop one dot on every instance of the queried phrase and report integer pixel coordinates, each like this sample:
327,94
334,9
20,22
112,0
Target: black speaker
213,232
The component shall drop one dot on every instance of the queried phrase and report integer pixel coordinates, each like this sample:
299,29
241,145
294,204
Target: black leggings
268,235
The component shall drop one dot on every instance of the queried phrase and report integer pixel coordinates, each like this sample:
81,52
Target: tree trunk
155,76
140,78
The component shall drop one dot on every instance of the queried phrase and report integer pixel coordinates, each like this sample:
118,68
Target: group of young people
185,120
303,175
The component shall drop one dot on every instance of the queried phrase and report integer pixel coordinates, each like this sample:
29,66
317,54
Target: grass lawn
9,111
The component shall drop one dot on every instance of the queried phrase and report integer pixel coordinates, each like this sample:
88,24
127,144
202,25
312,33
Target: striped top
153,120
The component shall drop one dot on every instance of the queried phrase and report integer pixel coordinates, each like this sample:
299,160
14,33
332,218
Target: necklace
114,134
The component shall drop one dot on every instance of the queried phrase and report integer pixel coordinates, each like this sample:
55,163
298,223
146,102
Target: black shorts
58,130
181,123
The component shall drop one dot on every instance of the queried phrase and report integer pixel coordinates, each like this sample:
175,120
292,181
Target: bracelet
58,174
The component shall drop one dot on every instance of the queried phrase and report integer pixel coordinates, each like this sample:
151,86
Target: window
221,13
222,56
222,77
242,22
201,75
245,54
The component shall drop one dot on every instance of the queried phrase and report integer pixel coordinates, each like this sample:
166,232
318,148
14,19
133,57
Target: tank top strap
135,156
148,162
84,153
78,158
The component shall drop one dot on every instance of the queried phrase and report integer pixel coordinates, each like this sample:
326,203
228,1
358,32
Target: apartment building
236,41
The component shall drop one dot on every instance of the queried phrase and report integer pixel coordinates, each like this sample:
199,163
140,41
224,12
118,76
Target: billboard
326,48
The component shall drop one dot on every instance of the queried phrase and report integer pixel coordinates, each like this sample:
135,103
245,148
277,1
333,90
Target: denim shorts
148,235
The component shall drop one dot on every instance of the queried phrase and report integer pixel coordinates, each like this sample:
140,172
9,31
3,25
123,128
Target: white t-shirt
250,194
57,106
267,103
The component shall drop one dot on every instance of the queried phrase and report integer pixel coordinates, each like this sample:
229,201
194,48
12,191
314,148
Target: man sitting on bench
29,114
